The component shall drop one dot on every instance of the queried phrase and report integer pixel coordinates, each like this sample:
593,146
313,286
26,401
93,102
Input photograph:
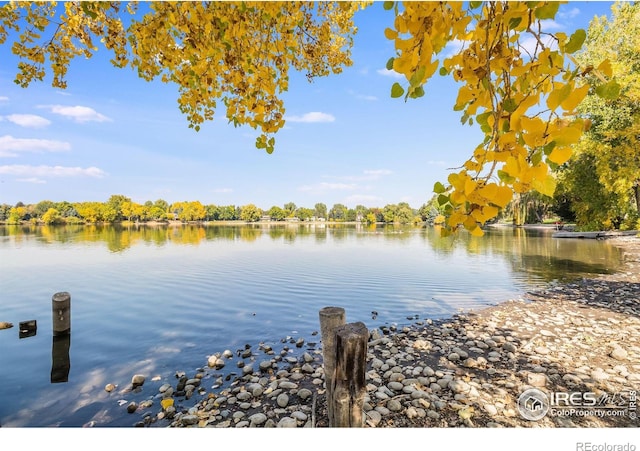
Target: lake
156,300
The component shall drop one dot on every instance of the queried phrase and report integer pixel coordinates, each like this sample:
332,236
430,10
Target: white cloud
454,47
4,99
362,96
35,180
314,116
324,186
390,73
78,113
28,120
569,14
529,44
33,172
9,146
223,190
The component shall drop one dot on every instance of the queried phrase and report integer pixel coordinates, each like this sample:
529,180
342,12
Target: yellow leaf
574,99
167,402
503,196
490,211
469,186
390,34
547,186
567,136
560,155
605,68
477,231
559,94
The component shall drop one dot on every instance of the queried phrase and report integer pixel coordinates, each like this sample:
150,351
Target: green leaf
87,11
547,11
575,41
439,188
390,63
474,4
387,5
549,147
536,158
505,177
509,105
444,71
417,92
609,91
443,200
483,118
396,90
417,76
514,22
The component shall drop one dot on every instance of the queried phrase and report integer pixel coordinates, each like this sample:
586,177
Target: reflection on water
154,300
60,362
527,250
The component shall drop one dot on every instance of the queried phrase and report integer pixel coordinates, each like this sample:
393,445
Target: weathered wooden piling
330,319
61,309
349,387
344,352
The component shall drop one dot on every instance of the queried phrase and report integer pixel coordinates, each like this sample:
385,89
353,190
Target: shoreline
464,371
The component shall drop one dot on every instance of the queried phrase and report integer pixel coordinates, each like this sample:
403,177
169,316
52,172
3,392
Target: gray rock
459,386
283,400
137,380
394,405
189,420
304,393
257,419
298,415
287,422
454,357
373,418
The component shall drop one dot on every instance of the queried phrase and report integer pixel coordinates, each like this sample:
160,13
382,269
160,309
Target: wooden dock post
61,309
349,387
330,319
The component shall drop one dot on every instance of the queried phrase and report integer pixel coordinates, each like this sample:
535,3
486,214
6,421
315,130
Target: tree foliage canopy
238,55
603,180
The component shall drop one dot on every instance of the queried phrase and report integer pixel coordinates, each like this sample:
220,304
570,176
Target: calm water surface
156,300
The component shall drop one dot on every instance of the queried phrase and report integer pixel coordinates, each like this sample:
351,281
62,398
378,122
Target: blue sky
346,141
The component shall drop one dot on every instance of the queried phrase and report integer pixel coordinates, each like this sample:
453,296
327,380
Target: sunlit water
156,300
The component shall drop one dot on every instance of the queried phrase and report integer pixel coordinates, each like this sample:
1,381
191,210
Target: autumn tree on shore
602,182
237,56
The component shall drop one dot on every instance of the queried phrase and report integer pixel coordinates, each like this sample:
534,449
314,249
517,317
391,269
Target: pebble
467,370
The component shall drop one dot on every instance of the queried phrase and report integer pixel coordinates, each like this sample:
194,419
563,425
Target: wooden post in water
349,390
330,319
61,309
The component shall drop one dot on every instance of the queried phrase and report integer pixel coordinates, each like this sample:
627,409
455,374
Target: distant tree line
121,208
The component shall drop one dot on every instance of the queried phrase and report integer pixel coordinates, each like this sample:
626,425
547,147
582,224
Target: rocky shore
466,371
